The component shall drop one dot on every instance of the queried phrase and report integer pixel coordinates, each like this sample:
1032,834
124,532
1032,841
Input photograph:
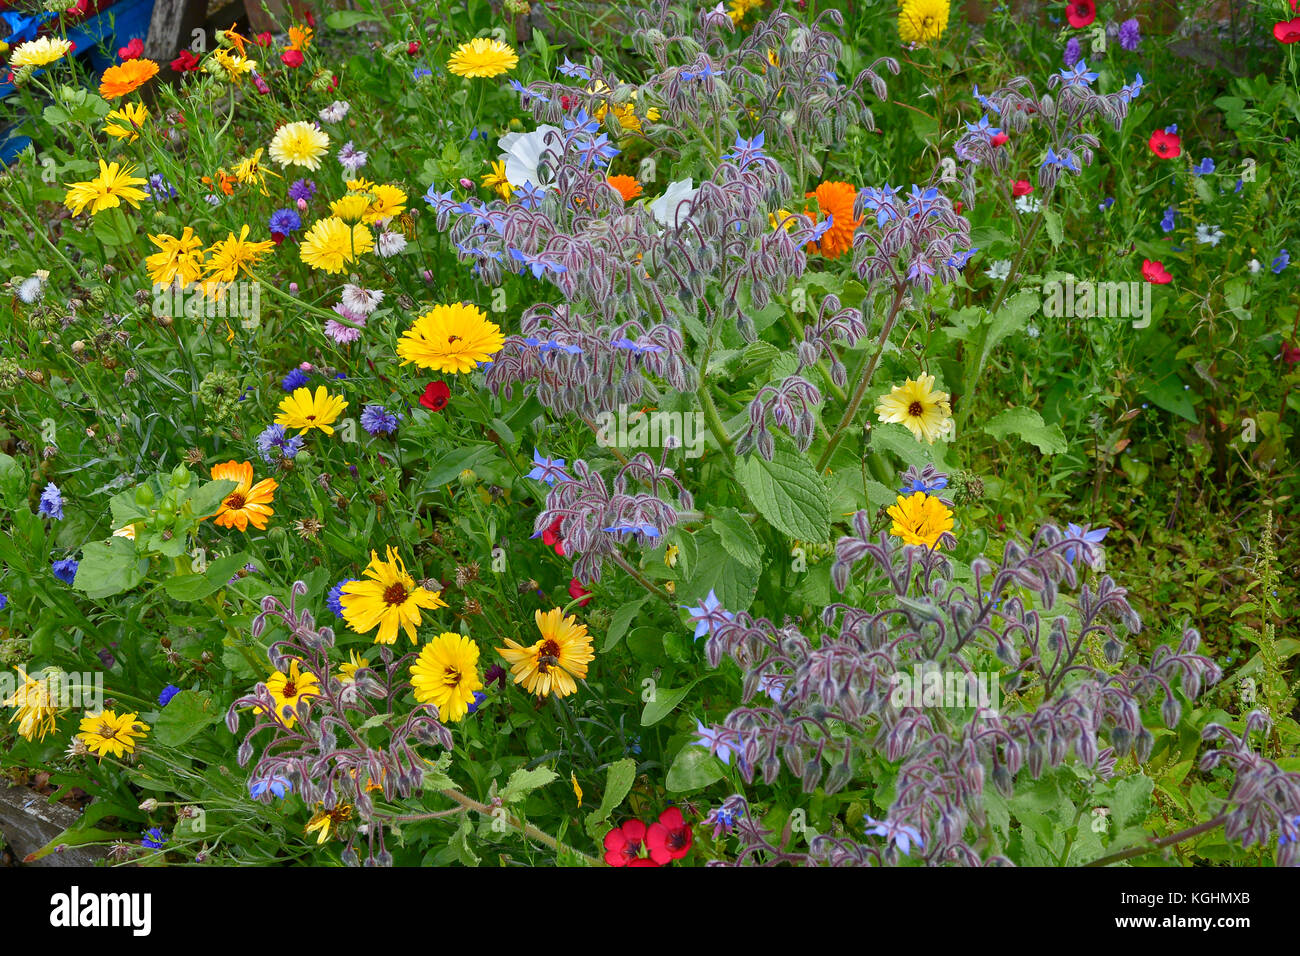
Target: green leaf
346,19
445,469
523,782
1012,317
1170,395
1052,220
620,621
186,715
206,501
664,702
618,784
788,492
108,568
195,587
734,582
694,768
75,836
1027,424
435,776
13,482
738,537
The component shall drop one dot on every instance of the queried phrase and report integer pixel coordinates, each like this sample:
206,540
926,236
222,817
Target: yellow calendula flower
299,144
107,733
107,190
922,21
496,180
551,664
385,203
249,503
39,52
350,208
229,257
306,411
299,37
250,170
347,671
446,675
176,258
482,57
323,821
126,121
451,338
916,405
288,689
37,704
919,519
739,9
332,244
389,600
234,65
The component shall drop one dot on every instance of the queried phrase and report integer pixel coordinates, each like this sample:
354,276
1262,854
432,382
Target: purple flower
1094,536
159,188
274,438
153,839
65,570
548,470
378,420
901,835
479,697
168,692
277,785
285,221
296,379
710,738
1281,262
1129,35
1167,223
926,487
302,189
708,615
1072,52
334,599
51,502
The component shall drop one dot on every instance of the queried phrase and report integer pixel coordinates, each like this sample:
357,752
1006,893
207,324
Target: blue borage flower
983,128
747,152
1093,536
1078,76
535,264
1065,160
902,835
1130,91
276,785
649,530
709,615
881,201
713,740
926,487
549,470
574,71
985,102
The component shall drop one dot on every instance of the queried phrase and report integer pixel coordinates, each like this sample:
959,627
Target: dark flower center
235,502
290,689
915,409
451,676
395,594
676,839
548,656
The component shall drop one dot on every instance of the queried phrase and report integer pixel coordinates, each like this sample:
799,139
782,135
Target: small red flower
551,537
1153,270
133,50
566,102
1291,354
999,138
670,838
413,47
959,206
291,58
1166,145
185,62
436,396
1021,187
1289,31
623,845
576,590
334,84
277,237
310,18
1080,13
263,39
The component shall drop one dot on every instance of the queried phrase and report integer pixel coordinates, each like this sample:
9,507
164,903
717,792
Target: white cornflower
999,270
335,112
359,300
390,244
1210,234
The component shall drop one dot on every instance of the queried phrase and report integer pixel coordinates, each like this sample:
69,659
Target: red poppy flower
1165,145
1154,271
551,537
669,838
262,39
133,50
291,58
334,84
576,590
1021,187
1080,13
435,397
999,138
1291,354
1288,32
623,845
413,47
185,62
310,18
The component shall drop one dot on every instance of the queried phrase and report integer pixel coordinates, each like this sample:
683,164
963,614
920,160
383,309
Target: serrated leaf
1027,424
788,492
618,784
733,581
738,537
1052,220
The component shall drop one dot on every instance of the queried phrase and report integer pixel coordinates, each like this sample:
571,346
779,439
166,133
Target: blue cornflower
420,72
1204,167
634,745
284,221
377,420
153,839
549,470
296,378
747,151
1281,262
333,599
477,702
1167,223
1073,52
1240,183
709,615
51,502
277,785
3,601
168,692
708,737
302,189
574,70
274,438
902,835
1078,76
1171,128
65,570
1073,530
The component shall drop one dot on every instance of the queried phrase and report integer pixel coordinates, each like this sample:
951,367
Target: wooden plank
172,27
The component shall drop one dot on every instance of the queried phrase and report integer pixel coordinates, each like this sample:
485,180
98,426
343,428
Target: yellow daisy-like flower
126,121
107,190
389,600
738,9
299,144
251,170
347,671
323,821
922,21
385,203
299,37
451,338
332,244
482,56
916,405
497,180
550,665
106,733
39,52
229,257
624,113
288,689
781,219
126,78
446,675
306,411
177,258
249,503
235,65
36,705
919,519
350,208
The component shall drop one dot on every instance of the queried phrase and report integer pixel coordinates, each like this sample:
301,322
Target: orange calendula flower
249,503
625,186
835,200
126,78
